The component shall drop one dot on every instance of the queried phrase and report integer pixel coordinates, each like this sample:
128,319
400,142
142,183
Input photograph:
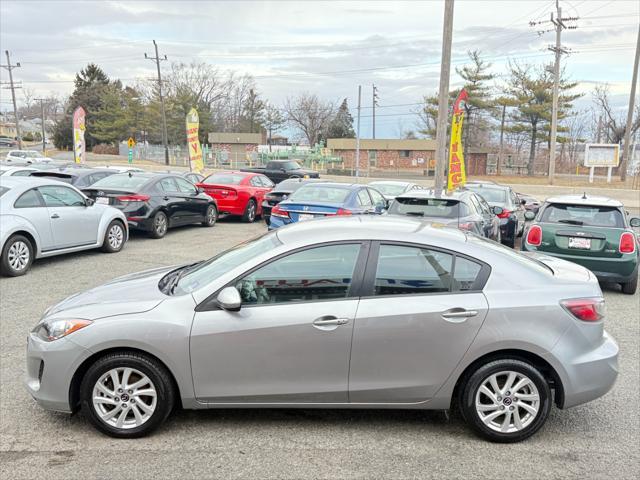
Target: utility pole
358,134
443,98
165,140
599,132
374,105
559,25
632,98
42,122
13,88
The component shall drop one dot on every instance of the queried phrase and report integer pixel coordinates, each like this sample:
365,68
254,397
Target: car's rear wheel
210,217
250,212
506,400
17,256
159,225
630,287
126,395
114,237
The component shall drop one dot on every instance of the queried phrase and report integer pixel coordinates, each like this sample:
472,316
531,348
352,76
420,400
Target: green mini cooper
591,231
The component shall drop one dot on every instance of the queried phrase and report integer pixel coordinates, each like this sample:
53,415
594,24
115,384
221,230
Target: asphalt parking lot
597,440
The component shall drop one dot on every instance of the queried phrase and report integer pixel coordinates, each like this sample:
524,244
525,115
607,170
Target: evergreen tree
342,124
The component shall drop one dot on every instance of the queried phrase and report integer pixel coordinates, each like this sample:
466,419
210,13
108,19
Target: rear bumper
230,207
266,212
586,375
615,270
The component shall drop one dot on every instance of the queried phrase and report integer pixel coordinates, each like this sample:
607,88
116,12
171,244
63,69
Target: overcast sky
328,48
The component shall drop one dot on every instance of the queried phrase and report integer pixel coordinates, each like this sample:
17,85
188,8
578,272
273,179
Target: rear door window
168,185
364,200
587,215
185,186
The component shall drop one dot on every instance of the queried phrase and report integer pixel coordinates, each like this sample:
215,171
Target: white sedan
43,217
25,157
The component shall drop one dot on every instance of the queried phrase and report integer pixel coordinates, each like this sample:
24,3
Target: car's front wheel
17,256
126,395
506,400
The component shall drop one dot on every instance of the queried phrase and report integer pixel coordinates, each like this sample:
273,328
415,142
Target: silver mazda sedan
334,313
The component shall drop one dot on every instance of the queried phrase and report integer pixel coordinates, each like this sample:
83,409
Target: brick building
385,153
236,144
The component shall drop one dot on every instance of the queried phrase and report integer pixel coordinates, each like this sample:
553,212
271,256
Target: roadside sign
131,142
601,155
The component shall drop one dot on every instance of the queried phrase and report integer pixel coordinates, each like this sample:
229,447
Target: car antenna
130,174
584,196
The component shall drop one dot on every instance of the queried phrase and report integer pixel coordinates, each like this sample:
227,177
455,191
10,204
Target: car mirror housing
635,222
89,202
523,202
529,215
497,210
229,299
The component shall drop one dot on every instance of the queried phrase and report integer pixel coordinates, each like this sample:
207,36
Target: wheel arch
547,370
29,236
78,375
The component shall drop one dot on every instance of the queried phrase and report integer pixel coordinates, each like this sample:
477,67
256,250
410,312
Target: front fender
11,224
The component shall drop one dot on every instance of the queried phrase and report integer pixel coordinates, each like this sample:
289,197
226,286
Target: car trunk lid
219,191
300,211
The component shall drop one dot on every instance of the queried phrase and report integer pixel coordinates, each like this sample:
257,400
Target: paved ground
597,440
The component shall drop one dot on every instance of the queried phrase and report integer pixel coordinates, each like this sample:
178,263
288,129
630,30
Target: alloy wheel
251,214
211,215
507,402
124,398
19,255
115,237
161,225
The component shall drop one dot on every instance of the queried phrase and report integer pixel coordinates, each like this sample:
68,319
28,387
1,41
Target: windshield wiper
572,222
172,284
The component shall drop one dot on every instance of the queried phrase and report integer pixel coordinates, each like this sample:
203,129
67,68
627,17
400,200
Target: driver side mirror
497,210
89,202
635,222
523,202
229,299
529,215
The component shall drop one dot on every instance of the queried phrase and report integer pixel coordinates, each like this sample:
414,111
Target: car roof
237,172
584,199
345,186
391,182
361,227
493,186
29,182
430,193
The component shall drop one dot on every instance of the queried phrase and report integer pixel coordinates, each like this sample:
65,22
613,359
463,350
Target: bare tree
309,115
614,123
273,121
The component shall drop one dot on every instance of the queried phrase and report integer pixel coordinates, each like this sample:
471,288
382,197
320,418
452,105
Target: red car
238,193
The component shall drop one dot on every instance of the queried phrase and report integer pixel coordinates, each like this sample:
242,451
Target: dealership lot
598,439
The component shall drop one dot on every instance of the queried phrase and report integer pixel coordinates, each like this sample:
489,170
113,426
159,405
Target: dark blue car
317,200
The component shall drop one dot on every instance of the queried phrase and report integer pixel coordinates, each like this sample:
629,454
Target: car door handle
329,321
55,215
165,198
458,314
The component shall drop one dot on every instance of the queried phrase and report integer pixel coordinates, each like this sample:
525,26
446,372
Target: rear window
429,207
317,193
589,215
225,178
491,195
389,189
121,181
3,190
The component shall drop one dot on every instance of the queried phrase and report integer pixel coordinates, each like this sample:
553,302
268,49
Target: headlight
51,330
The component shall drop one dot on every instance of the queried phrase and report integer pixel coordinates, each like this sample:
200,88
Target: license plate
103,200
304,216
581,243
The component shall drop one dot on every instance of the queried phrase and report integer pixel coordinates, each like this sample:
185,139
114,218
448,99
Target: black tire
211,217
155,372
250,211
628,288
159,225
16,245
115,236
508,405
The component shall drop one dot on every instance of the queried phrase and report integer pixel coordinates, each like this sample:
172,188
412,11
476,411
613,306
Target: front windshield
213,268
491,195
388,189
428,207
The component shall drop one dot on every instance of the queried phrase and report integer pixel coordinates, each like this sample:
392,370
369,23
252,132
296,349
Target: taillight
585,309
534,237
627,243
343,211
505,214
465,226
133,198
279,212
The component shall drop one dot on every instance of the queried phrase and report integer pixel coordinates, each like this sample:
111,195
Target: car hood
134,293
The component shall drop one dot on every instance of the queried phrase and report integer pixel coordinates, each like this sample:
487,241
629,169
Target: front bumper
50,369
586,375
